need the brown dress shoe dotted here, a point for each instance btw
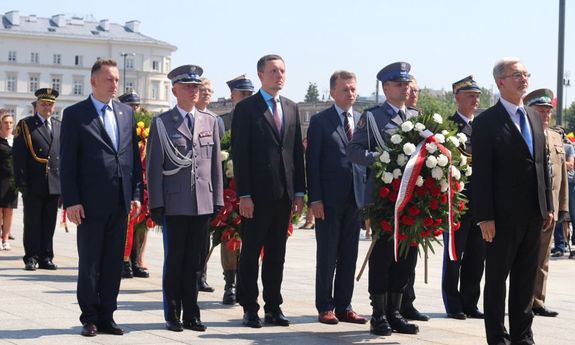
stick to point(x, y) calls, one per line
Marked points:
point(89, 330)
point(327, 317)
point(351, 317)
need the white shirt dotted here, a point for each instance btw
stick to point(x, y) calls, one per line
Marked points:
point(512, 111)
point(341, 118)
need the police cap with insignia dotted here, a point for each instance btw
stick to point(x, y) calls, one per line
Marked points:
point(186, 74)
point(397, 71)
point(542, 97)
point(466, 84)
point(130, 98)
point(47, 95)
point(241, 83)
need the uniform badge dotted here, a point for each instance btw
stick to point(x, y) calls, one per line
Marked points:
point(205, 134)
point(361, 122)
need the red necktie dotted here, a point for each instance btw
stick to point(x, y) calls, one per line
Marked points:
point(346, 125)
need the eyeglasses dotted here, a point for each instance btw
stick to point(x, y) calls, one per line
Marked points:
point(415, 91)
point(518, 75)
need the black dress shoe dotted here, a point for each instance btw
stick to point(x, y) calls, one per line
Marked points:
point(276, 317)
point(30, 265)
point(457, 316)
point(174, 326)
point(251, 319)
point(89, 330)
point(203, 284)
point(414, 314)
point(476, 314)
point(127, 272)
point(195, 324)
point(47, 265)
point(110, 328)
point(543, 311)
point(140, 272)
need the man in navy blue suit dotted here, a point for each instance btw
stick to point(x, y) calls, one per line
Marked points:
point(332, 180)
point(101, 179)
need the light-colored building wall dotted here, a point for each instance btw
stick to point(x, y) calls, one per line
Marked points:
point(41, 52)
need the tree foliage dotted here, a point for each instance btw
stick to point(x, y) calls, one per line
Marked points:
point(312, 94)
point(569, 118)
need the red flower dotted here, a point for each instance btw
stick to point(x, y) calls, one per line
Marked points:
point(456, 226)
point(461, 205)
point(237, 220)
point(435, 191)
point(407, 220)
point(395, 183)
point(401, 237)
point(429, 182)
point(150, 223)
point(393, 196)
point(438, 222)
point(438, 232)
point(443, 198)
point(234, 244)
point(383, 192)
point(456, 185)
point(434, 204)
point(428, 221)
point(426, 233)
point(420, 191)
point(227, 234)
point(414, 210)
point(385, 226)
point(413, 244)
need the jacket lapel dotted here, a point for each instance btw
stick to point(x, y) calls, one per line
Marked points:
point(44, 133)
point(265, 110)
point(336, 120)
point(513, 130)
point(181, 125)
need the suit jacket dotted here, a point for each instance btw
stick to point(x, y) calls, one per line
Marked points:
point(33, 176)
point(90, 164)
point(175, 193)
point(465, 128)
point(362, 148)
point(331, 177)
point(559, 183)
point(267, 165)
point(508, 183)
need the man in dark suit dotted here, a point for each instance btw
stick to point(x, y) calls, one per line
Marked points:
point(387, 277)
point(332, 182)
point(101, 177)
point(270, 181)
point(511, 202)
point(461, 279)
point(36, 157)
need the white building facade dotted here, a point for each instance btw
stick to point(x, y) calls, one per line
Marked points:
point(59, 52)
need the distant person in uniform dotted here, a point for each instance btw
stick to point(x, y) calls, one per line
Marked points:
point(36, 157)
point(184, 173)
point(241, 87)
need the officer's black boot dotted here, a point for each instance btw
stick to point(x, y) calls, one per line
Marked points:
point(230, 288)
point(203, 284)
point(397, 322)
point(127, 270)
point(378, 324)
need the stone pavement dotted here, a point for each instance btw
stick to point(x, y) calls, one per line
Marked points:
point(40, 307)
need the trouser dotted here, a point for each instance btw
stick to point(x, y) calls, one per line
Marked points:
point(542, 268)
point(40, 214)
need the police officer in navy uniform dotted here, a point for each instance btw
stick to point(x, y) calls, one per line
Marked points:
point(460, 283)
point(36, 155)
point(184, 172)
point(132, 99)
point(387, 278)
point(240, 88)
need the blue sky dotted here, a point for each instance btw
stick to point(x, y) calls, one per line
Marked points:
point(444, 40)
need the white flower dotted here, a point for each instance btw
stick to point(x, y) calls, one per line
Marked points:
point(407, 126)
point(408, 149)
point(229, 169)
point(437, 173)
point(419, 127)
point(455, 173)
point(468, 172)
point(431, 162)
point(461, 186)
point(230, 165)
point(225, 155)
point(431, 147)
point(440, 138)
point(443, 185)
point(463, 161)
point(444, 132)
point(437, 118)
point(454, 141)
point(384, 157)
point(401, 159)
point(442, 160)
point(396, 139)
point(387, 177)
point(419, 181)
point(462, 137)
point(396, 173)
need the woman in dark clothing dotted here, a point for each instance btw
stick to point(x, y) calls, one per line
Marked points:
point(8, 193)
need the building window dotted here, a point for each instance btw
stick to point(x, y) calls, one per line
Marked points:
point(34, 58)
point(11, 82)
point(12, 110)
point(155, 90)
point(57, 113)
point(166, 91)
point(167, 64)
point(57, 59)
point(130, 85)
point(33, 83)
point(12, 56)
point(78, 60)
point(56, 83)
point(129, 63)
point(78, 86)
point(156, 65)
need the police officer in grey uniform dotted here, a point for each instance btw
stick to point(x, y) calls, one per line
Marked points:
point(387, 278)
point(184, 173)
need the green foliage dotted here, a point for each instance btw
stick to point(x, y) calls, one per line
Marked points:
point(443, 104)
point(144, 116)
point(569, 118)
point(226, 141)
point(312, 94)
point(485, 100)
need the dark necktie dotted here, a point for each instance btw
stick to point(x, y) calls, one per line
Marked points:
point(190, 122)
point(525, 130)
point(48, 125)
point(346, 125)
point(401, 114)
point(110, 124)
point(277, 115)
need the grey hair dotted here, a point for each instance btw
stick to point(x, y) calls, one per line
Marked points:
point(500, 65)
